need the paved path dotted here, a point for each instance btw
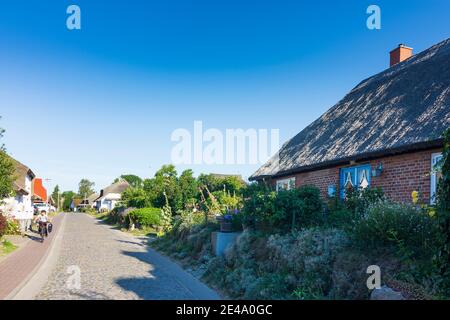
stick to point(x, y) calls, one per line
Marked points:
point(115, 265)
point(17, 267)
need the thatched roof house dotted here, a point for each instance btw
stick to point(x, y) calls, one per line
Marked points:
point(401, 110)
point(21, 173)
point(110, 195)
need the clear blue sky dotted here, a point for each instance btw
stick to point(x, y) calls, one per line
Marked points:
point(104, 100)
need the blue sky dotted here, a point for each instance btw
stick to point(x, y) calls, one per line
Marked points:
point(102, 101)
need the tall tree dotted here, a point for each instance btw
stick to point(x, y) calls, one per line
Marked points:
point(167, 182)
point(188, 187)
point(85, 188)
point(6, 171)
point(56, 195)
point(67, 197)
point(133, 180)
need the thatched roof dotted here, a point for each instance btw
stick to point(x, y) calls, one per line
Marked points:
point(117, 187)
point(403, 108)
point(20, 174)
point(90, 200)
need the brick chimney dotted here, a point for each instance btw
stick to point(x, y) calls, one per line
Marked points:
point(401, 53)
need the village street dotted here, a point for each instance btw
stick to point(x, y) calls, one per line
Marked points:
point(112, 265)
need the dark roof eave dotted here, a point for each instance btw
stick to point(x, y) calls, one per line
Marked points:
point(359, 157)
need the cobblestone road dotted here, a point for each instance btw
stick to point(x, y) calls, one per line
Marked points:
point(114, 265)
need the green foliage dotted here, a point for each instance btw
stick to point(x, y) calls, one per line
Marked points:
point(290, 209)
point(213, 182)
point(133, 180)
point(7, 247)
point(443, 215)
point(292, 266)
point(166, 216)
point(67, 197)
point(85, 188)
point(188, 188)
point(343, 214)
point(299, 207)
point(410, 230)
point(8, 226)
point(259, 205)
point(6, 175)
point(357, 201)
point(147, 217)
point(56, 194)
point(164, 181)
point(6, 171)
point(135, 198)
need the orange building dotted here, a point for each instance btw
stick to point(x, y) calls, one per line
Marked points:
point(38, 191)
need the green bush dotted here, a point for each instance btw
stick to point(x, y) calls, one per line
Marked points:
point(135, 198)
point(308, 255)
point(259, 206)
point(344, 213)
point(291, 266)
point(146, 217)
point(357, 201)
point(292, 209)
point(405, 227)
point(298, 208)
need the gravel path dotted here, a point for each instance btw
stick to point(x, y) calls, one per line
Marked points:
point(115, 265)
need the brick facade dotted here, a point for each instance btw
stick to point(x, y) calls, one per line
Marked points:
point(402, 174)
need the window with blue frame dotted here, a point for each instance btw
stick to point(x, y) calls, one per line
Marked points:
point(357, 177)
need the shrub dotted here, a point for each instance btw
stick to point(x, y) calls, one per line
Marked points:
point(291, 209)
point(135, 197)
point(146, 217)
point(443, 216)
point(293, 266)
point(298, 208)
point(407, 228)
point(349, 275)
point(308, 255)
point(3, 225)
point(259, 206)
point(357, 201)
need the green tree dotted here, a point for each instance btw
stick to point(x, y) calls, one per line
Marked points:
point(166, 181)
point(56, 195)
point(135, 198)
point(133, 180)
point(6, 171)
point(67, 197)
point(233, 184)
point(85, 188)
point(188, 188)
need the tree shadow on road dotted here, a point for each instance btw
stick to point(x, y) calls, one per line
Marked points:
point(165, 280)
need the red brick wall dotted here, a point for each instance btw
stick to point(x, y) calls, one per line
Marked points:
point(402, 174)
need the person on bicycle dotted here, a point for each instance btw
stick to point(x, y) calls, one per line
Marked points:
point(42, 219)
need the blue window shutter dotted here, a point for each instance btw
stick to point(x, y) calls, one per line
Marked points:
point(356, 173)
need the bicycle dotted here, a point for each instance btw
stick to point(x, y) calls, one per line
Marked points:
point(43, 230)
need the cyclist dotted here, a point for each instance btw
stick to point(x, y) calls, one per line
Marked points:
point(43, 220)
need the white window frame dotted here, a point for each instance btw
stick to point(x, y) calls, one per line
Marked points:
point(290, 182)
point(433, 177)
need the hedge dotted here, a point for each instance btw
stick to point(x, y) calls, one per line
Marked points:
point(146, 216)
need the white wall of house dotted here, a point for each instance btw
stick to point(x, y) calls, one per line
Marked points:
point(108, 202)
point(19, 206)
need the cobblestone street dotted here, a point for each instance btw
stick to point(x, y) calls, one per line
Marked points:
point(115, 265)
